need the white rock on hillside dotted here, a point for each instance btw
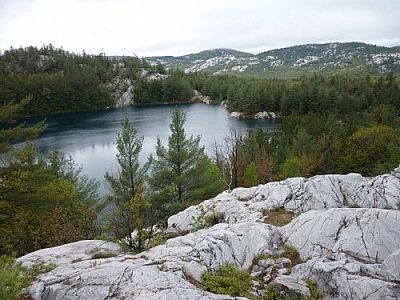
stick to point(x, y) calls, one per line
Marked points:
point(236, 114)
point(355, 252)
point(361, 234)
point(379, 192)
point(265, 115)
point(122, 90)
point(65, 254)
point(345, 279)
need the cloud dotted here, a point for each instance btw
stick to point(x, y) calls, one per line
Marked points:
point(178, 27)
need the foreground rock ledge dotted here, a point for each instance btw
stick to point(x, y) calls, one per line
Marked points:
point(351, 253)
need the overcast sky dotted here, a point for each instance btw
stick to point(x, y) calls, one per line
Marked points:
point(178, 27)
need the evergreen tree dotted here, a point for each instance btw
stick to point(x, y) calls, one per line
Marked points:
point(127, 206)
point(250, 175)
point(182, 173)
point(44, 202)
point(371, 149)
point(7, 114)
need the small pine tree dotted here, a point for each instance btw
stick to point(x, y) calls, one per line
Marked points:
point(126, 214)
point(182, 173)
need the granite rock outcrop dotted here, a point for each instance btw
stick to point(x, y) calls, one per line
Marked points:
point(345, 229)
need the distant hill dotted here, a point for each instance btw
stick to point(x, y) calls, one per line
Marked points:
point(351, 58)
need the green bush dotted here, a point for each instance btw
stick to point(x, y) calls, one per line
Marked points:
point(13, 278)
point(99, 255)
point(205, 221)
point(312, 285)
point(292, 253)
point(228, 280)
point(40, 268)
point(199, 221)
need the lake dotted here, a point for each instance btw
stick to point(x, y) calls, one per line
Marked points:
point(88, 137)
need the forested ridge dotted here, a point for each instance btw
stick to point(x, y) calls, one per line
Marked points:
point(60, 81)
point(352, 58)
point(330, 124)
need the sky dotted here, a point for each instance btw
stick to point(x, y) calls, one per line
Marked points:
point(178, 27)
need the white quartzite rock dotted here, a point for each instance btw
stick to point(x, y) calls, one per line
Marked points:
point(355, 252)
point(368, 235)
point(379, 192)
point(65, 254)
point(345, 280)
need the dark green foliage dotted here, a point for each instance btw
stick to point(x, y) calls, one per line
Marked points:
point(44, 202)
point(14, 277)
point(370, 149)
point(128, 201)
point(338, 94)
point(228, 280)
point(60, 81)
point(174, 88)
point(9, 132)
point(182, 173)
point(364, 142)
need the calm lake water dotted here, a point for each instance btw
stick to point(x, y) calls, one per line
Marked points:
point(88, 137)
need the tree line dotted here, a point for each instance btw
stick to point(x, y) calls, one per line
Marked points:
point(367, 143)
point(316, 94)
point(60, 81)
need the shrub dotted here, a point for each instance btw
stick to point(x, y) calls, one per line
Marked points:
point(203, 221)
point(312, 285)
point(228, 280)
point(99, 255)
point(292, 253)
point(278, 216)
point(40, 268)
point(213, 219)
point(13, 278)
point(199, 221)
point(258, 257)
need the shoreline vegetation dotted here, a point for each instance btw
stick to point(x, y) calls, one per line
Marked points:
point(60, 81)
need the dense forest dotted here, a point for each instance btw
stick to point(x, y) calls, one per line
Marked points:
point(60, 81)
point(329, 124)
point(334, 124)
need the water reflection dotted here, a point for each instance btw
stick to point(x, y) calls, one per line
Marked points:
point(89, 136)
